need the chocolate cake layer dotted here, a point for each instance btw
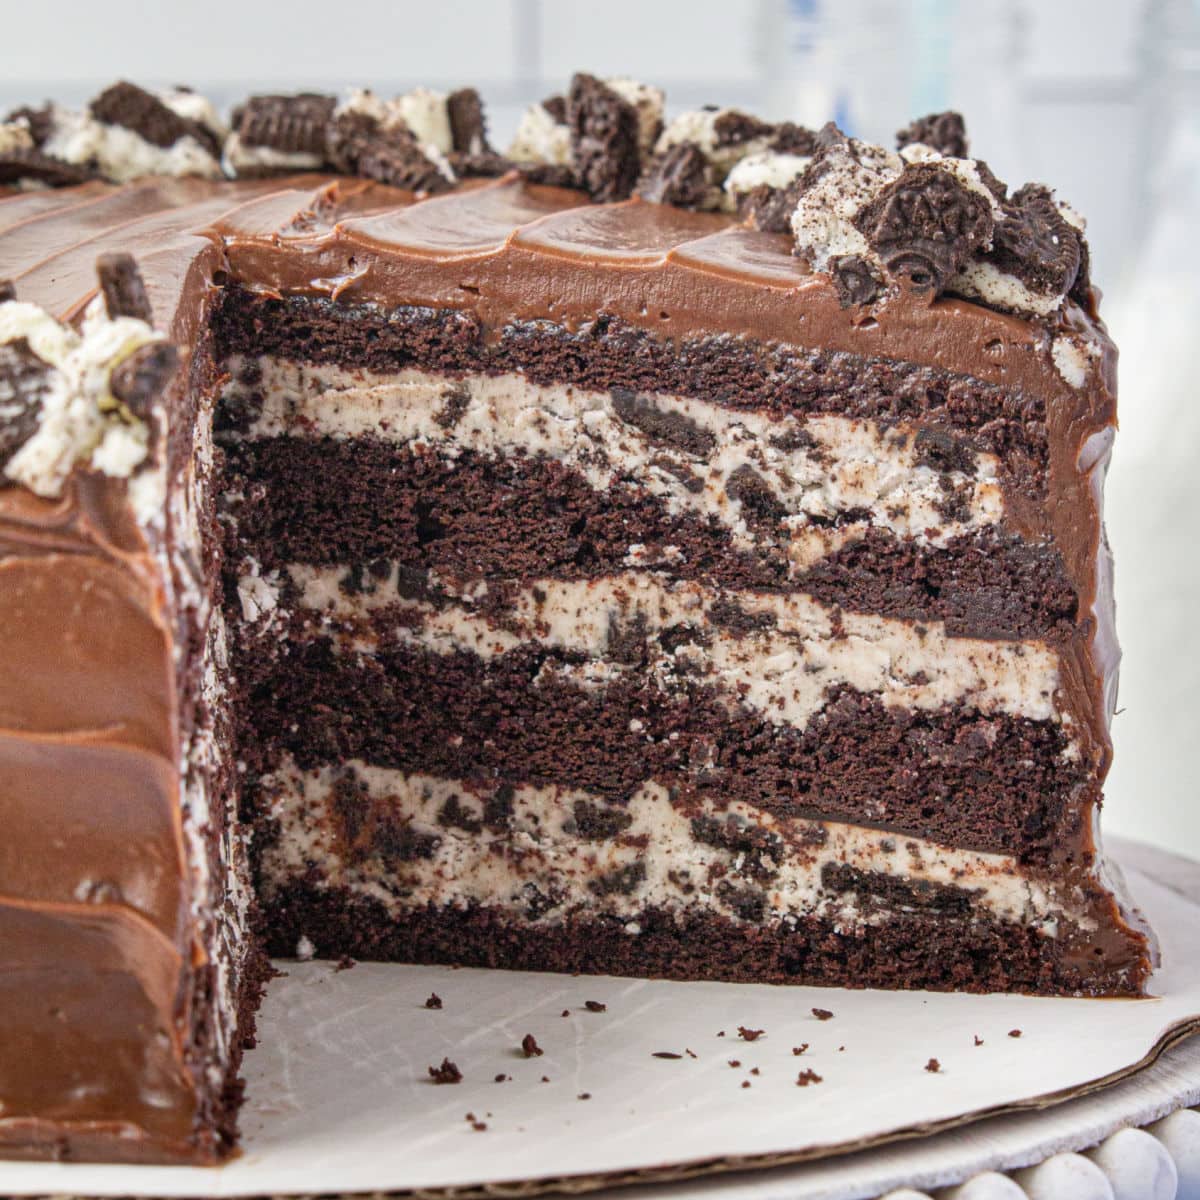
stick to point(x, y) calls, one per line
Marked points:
point(363, 500)
point(991, 782)
point(945, 953)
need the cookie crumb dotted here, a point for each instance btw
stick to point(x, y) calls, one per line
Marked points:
point(434, 1001)
point(448, 1072)
point(585, 1095)
point(545, 1078)
point(978, 1040)
point(1014, 1033)
point(749, 1035)
point(665, 1054)
point(690, 1053)
point(595, 1006)
point(808, 1076)
point(933, 1066)
point(479, 1126)
point(755, 1071)
point(745, 1083)
point(502, 1078)
point(735, 1062)
point(566, 1012)
point(822, 1014)
point(530, 1048)
point(800, 1049)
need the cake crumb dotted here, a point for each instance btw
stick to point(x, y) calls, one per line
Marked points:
point(345, 963)
point(933, 1066)
point(735, 1062)
point(502, 1078)
point(595, 1006)
point(448, 1072)
point(755, 1071)
point(808, 1076)
point(978, 1040)
point(1014, 1033)
point(479, 1126)
point(566, 1012)
point(720, 1033)
point(749, 1035)
point(545, 1078)
point(690, 1053)
point(530, 1048)
point(822, 1014)
point(585, 1095)
point(745, 1083)
point(800, 1049)
point(434, 1001)
point(665, 1054)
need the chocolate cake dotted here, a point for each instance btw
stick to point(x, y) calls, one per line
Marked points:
point(665, 550)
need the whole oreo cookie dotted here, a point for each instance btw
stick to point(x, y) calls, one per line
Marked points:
point(924, 226)
point(945, 132)
point(604, 139)
point(24, 382)
point(289, 124)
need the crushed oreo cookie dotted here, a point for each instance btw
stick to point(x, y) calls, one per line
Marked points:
point(604, 139)
point(530, 1048)
point(924, 225)
point(122, 287)
point(133, 108)
point(24, 382)
point(8, 291)
point(682, 176)
point(141, 378)
point(767, 208)
point(945, 132)
point(468, 129)
point(1037, 244)
point(32, 166)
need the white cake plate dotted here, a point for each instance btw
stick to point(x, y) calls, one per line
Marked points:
point(339, 1099)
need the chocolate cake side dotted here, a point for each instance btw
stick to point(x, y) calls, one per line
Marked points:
point(704, 584)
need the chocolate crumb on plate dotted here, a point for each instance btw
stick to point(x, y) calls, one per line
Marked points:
point(479, 1126)
point(755, 1071)
point(665, 1054)
point(750, 1035)
point(545, 1078)
point(822, 1014)
point(735, 1062)
point(807, 1077)
point(690, 1053)
point(745, 1083)
point(502, 1078)
point(800, 1049)
point(448, 1072)
point(978, 1040)
point(1014, 1033)
point(595, 1006)
point(434, 1001)
point(933, 1066)
point(584, 1096)
point(530, 1048)
point(566, 1012)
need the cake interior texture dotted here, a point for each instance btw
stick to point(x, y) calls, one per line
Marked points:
point(523, 575)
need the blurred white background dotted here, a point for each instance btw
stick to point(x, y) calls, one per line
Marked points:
point(1099, 98)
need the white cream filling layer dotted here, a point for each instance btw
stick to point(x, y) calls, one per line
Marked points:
point(813, 469)
point(784, 670)
point(657, 857)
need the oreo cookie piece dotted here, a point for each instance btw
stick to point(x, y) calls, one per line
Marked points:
point(468, 129)
point(140, 379)
point(24, 382)
point(556, 106)
point(1037, 244)
point(39, 122)
point(681, 176)
point(769, 209)
point(790, 138)
point(8, 291)
point(548, 174)
point(945, 132)
point(924, 225)
point(122, 287)
point(393, 157)
point(736, 128)
point(33, 166)
point(604, 139)
point(290, 124)
point(136, 109)
point(855, 280)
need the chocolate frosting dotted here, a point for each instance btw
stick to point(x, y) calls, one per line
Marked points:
point(97, 945)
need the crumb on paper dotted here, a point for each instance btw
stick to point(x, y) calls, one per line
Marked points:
point(595, 1006)
point(434, 1001)
point(448, 1072)
point(933, 1066)
point(479, 1126)
point(735, 1062)
point(755, 1071)
point(807, 1077)
point(566, 1012)
point(749, 1035)
point(530, 1048)
point(800, 1049)
point(978, 1040)
point(1014, 1033)
point(665, 1054)
point(585, 1095)
point(745, 1083)
point(545, 1078)
point(502, 1078)
point(822, 1014)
